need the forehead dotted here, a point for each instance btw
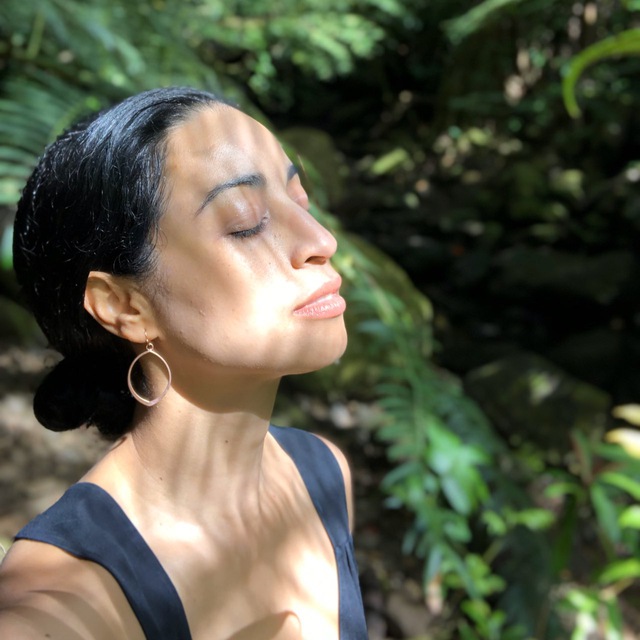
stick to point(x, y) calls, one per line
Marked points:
point(224, 140)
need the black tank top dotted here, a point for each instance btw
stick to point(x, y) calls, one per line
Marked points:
point(89, 524)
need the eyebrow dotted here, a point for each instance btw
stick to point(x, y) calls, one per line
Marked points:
point(248, 180)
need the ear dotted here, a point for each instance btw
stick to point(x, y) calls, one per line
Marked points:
point(118, 305)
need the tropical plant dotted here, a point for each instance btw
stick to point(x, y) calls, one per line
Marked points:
point(603, 486)
point(447, 460)
point(64, 57)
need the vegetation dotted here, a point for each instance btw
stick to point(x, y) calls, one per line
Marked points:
point(488, 147)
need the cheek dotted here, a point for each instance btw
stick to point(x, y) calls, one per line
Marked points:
point(228, 306)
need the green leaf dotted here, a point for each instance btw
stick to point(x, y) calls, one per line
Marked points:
point(562, 489)
point(605, 512)
point(495, 523)
point(621, 481)
point(433, 565)
point(458, 529)
point(583, 449)
point(476, 609)
point(583, 600)
point(628, 569)
point(6, 249)
point(623, 44)
point(534, 519)
point(401, 451)
point(389, 161)
point(445, 447)
point(630, 517)
point(614, 619)
point(617, 453)
point(467, 632)
point(401, 472)
point(457, 29)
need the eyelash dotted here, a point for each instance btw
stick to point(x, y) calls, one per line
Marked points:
point(247, 233)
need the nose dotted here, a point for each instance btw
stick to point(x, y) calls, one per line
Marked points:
point(312, 243)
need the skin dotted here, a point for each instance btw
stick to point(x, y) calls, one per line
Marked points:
point(238, 254)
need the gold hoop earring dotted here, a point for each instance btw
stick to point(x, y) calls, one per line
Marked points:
point(149, 350)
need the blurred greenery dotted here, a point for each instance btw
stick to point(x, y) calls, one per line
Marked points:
point(481, 162)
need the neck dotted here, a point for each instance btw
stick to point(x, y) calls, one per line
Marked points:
point(191, 461)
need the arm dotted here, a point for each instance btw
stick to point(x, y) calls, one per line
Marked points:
point(33, 618)
point(47, 593)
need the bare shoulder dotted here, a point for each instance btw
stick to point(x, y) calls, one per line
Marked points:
point(346, 474)
point(48, 593)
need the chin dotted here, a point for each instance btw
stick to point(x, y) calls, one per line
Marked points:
point(324, 355)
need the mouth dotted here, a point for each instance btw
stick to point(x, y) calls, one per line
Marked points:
point(324, 302)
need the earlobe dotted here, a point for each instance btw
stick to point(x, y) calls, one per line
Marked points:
point(117, 305)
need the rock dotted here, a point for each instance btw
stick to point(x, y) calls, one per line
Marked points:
point(461, 354)
point(606, 357)
point(598, 278)
point(529, 397)
point(409, 613)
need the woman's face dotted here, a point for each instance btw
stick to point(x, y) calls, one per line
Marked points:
point(245, 282)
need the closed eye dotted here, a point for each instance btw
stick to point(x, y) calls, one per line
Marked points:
point(247, 233)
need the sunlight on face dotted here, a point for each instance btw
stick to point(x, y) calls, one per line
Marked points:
point(247, 284)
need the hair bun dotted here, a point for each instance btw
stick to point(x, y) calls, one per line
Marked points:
point(67, 397)
point(78, 391)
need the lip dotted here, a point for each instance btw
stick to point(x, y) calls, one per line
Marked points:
point(324, 302)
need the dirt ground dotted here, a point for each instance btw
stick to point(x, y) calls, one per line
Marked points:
point(37, 465)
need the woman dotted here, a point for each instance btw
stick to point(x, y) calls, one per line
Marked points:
point(167, 251)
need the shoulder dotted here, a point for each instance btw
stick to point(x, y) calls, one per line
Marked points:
point(48, 593)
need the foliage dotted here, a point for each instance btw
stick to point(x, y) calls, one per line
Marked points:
point(445, 455)
point(476, 18)
point(33, 112)
point(622, 44)
point(264, 43)
point(84, 55)
point(605, 483)
point(63, 59)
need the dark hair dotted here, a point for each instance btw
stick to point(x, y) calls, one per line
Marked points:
point(93, 202)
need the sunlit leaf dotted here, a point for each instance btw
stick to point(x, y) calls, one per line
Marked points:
point(621, 481)
point(534, 519)
point(628, 412)
point(628, 569)
point(628, 439)
point(630, 517)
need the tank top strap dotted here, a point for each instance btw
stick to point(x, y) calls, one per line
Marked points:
point(89, 524)
point(322, 476)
